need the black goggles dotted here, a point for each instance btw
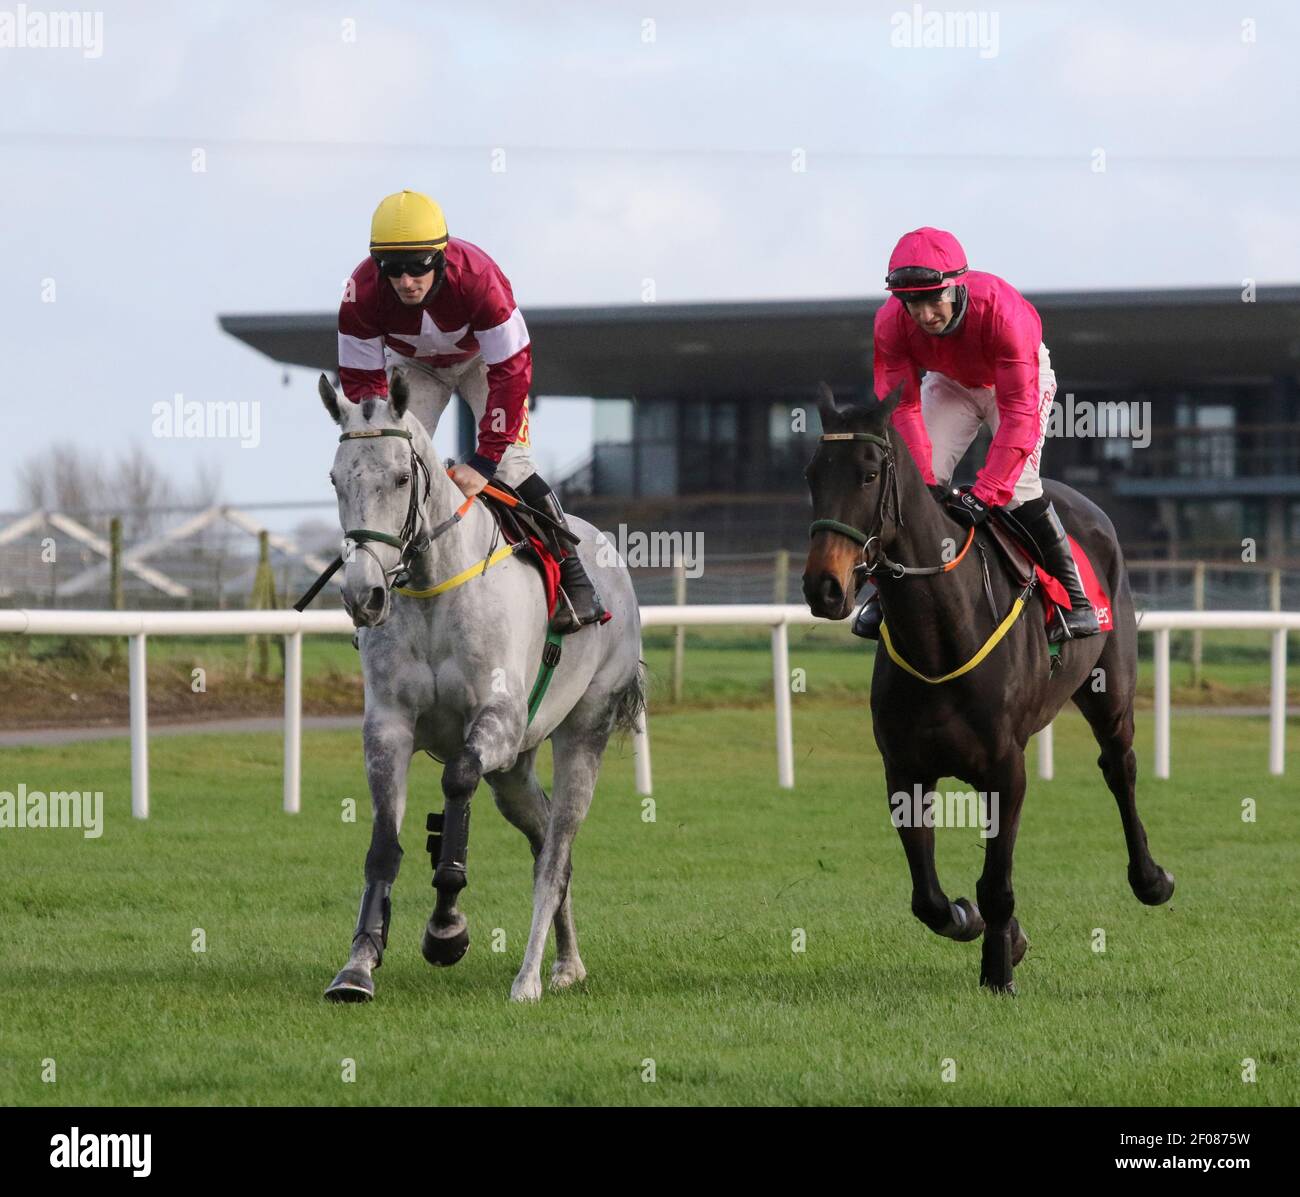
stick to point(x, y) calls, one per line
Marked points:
point(416, 265)
point(935, 295)
point(921, 278)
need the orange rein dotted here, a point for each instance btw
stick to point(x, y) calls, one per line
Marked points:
point(489, 489)
point(970, 536)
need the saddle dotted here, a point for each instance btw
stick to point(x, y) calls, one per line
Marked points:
point(540, 541)
point(1023, 561)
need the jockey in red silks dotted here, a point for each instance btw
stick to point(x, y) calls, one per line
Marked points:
point(980, 344)
point(441, 311)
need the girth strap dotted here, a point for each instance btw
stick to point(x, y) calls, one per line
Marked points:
point(550, 659)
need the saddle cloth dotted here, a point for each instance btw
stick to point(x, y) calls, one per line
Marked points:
point(1023, 566)
point(540, 546)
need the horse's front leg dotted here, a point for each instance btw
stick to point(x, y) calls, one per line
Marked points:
point(1004, 942)
point(959, 920)
point(492, 744)
point(389, 742)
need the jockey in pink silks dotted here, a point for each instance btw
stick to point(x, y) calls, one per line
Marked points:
point(980, 345)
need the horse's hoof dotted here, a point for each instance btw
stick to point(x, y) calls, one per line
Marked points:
point(565, 975)
point(1019, 948)
point(1007, 990)
point(527, 990)
point(974, 922)
point(351, 985)
point(1157, 893)
point(444, 951)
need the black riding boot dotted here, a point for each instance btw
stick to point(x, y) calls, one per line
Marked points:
point(1049, 534)
point(867, 621)
point(579, 601)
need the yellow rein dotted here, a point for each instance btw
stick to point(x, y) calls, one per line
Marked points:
point(479, 567)
point(989, 645)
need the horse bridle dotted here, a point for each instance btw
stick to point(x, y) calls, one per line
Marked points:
point(887, 504)
point(410, 542)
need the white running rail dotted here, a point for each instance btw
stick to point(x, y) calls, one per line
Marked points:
point(137, 625)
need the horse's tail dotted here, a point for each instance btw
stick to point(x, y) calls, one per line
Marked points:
point(629, 702)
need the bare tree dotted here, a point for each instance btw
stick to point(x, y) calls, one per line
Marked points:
point(138, 488)
point(66, 479)
point(86, 487)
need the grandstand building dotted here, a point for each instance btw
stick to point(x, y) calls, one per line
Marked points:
point(1178, 410)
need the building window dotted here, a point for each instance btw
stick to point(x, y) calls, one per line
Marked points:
point(611, 422)
point(655, 424)
point(656, 420)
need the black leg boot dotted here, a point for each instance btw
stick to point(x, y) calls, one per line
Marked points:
point(1045, 526)
point(355, 984)
point(867, 621)
point(579, 600)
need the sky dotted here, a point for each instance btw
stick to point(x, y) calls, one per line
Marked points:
point(726, 151)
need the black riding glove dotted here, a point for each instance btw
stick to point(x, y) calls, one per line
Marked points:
point(966, 509)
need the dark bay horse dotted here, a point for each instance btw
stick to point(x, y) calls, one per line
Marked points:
point(874, 513)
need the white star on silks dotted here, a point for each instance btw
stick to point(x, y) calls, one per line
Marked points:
point(431, 340)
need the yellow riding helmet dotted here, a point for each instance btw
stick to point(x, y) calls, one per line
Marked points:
point(407, 222)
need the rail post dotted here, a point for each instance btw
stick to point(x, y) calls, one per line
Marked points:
point(1162, 702)
point(641, 753)
point(1198, 637)
point(1277, 704)
point(679, 638)
point(139, 727)
point(781, 693)
point(1046, 759)
point(293, 723)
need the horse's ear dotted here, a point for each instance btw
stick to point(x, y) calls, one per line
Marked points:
point(398, 394)
point(891, 401)
point(826, 406)
point(329, 397)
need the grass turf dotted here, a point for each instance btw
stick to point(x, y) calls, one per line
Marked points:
point(686, 925)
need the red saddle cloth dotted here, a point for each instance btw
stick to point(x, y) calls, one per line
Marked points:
point(1054, 594)
point(550, 570)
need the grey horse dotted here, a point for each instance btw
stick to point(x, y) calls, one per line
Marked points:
point(452, 675)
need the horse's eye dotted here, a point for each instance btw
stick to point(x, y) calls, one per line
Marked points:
point(403, 479)
point(868, 479)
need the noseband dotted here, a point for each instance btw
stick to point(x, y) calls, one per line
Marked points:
point(873, 559)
